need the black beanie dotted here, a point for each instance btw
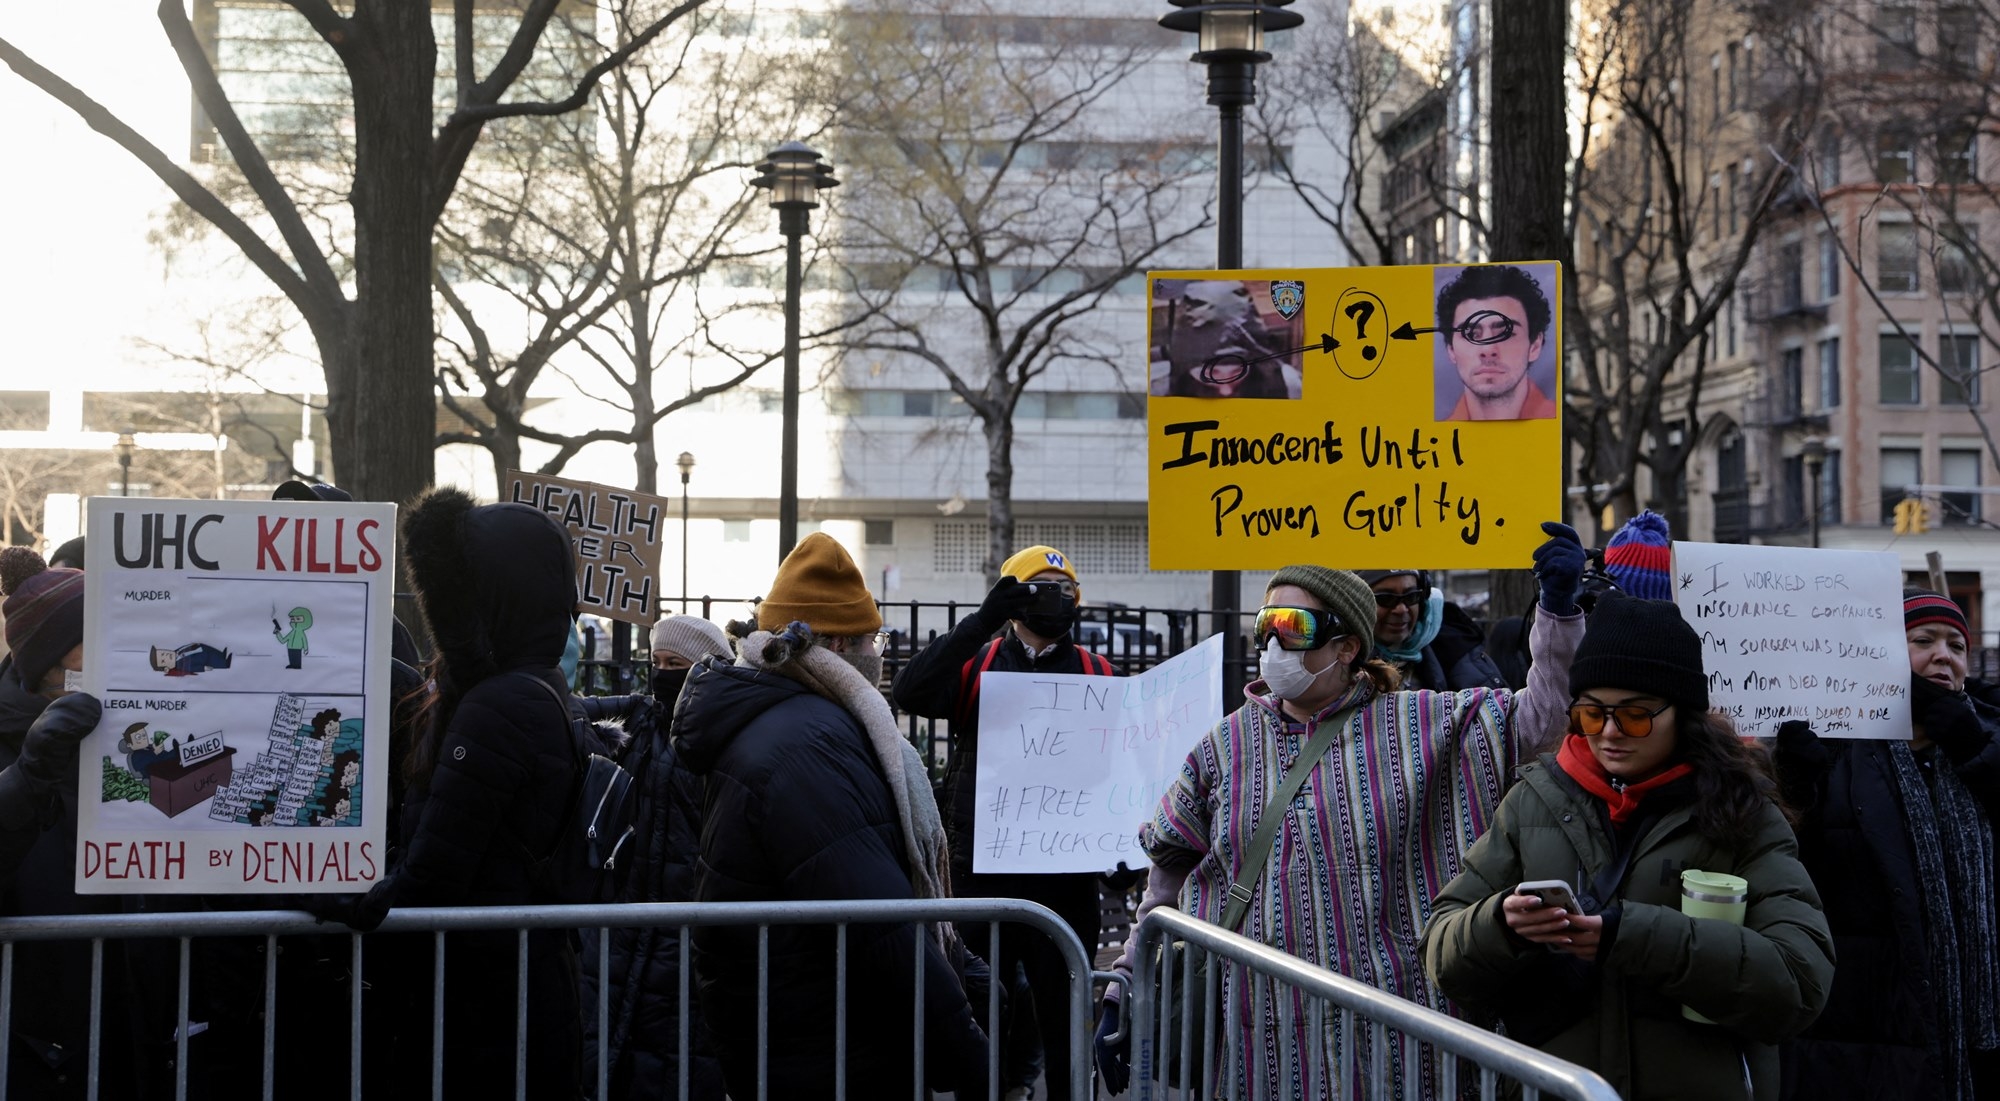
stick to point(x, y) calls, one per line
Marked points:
point(1641, 646)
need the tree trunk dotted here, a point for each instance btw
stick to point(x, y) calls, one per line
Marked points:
point(1530, 156)
point(999, 494)
point(505, 447)
point(645, 453)
point(394, 408)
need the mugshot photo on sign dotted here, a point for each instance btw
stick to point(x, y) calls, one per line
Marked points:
point(1496, 359)
point(1217, 338)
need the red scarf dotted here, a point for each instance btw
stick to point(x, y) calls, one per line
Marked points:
point(1576, 759)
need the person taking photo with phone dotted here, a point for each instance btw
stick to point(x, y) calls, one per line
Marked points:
point(1649, 784)
point(1392, 787)
point(1023, 626)
point(1899, 837)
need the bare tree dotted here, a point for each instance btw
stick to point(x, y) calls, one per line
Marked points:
point(992, 218)
point(603, 237)
point(1673, 184)
point(374, 331)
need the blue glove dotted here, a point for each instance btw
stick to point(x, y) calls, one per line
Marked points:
point(1559, 568)
point(1114, 1060)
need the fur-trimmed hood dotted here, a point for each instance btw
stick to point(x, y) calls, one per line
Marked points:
point(497, 584)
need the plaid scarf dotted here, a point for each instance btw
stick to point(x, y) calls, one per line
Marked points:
point(1954, 847)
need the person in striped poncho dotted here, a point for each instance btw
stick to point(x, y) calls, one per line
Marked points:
point(1380, 826)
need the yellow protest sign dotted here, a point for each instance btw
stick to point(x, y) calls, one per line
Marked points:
point(1365, 418)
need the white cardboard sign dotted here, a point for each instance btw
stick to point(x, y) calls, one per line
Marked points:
point(1796, 633)
point(1070, 766)
point(241, 652)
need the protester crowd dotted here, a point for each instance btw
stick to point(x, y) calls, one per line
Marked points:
point(1395, 798)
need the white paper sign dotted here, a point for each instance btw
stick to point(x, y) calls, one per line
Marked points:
point(241, 652)
point(1795, 633)
point(1070, 766)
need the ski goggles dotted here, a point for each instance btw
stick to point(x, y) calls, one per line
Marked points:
point(1633, 720)
point(1297, 628)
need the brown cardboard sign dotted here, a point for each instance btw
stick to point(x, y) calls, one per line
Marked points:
point(618, 538)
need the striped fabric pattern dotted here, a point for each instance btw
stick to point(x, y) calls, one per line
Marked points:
point(1373, 836)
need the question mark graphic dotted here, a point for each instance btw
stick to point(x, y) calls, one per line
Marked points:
point(1366, 310)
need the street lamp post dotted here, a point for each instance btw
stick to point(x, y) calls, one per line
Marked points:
point(686, 463)
point(124, 448)
point(1229, 39)
point(794, 175)
point(1814, 453)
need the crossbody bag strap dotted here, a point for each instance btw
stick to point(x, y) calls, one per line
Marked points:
point(1258, 852)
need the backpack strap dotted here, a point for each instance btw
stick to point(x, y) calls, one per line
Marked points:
point(968, 678)
point(1258, 852)
point(579, 758)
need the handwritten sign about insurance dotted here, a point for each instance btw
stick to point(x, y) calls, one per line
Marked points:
point(1793, 633)
point(1070, 766)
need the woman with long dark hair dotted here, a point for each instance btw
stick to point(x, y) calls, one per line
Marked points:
point(1899, 837)
point(1649, 788)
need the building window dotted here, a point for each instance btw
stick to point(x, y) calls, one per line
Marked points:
point(1791, 276)
point(1734, 100)
point(1901, 467)
point(736, 531)
point(1959, 467)
point(1958, 36)
point(878, 533)
point(1957, 155)
point(1896, 257)
point(1791, 383)
point(1895, 37)
point(1901, 385)
point(1830, 263)
point(1958, 360)
point(1829, 373)
point(1729, 311)
point(1895, 156)
point(1829, 489)
point(1792, 509)
point(1715, 83)
point(1829, 156)
point(1957, 271)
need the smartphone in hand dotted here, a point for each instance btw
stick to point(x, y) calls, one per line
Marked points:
point(1552, 892)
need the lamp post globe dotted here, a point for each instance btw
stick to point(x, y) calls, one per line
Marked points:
point(124, 448)
point(794, 174)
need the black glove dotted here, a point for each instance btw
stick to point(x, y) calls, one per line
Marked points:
point(1114, 1060)
point(1009, 599)
point(361, 913)
point(48, 753)
point(1559, 568)
point(1801, 761)
point(1947, 718)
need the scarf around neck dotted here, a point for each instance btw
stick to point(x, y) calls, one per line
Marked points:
point(1621, 800)
point(791, 653)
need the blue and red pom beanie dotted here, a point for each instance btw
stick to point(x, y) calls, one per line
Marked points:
point(1639, 557)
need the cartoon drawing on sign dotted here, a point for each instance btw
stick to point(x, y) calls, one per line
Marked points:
point(294, 640)
point(170, 774)
point(1495, 361)
point(190, 659)
point(308, 775)
point(1217, 338)
point(143, 748)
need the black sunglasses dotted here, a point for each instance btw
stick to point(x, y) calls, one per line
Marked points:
point(1415, 598)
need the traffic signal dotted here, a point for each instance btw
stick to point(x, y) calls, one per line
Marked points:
point(1913, 516)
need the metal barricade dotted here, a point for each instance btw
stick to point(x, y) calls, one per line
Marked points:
point(1156, 1042)
point(273, 924)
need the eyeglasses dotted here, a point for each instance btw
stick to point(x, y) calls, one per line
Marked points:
point(1488, 327)
point(1297, 628)
point(1633, 720)
point(1415, 598)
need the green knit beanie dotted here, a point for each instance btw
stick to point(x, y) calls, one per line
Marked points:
point(1342, 591)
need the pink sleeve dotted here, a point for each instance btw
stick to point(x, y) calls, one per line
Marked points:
point(1163, 888)
point(1541, 710)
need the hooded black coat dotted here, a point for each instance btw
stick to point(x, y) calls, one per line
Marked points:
point(795, 807)
point(493, 778)
point(644, 995)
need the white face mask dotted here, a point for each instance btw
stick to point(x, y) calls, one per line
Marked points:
point(1284, 672)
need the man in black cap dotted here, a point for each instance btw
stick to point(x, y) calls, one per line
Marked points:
point(1432, 642)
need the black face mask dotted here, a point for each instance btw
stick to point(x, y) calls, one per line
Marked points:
point(667, 684)
point(1052, 625)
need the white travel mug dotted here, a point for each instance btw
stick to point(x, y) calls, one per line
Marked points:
point(1717, 896)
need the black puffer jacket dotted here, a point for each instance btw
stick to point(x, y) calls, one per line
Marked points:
point(496, 584)
point(1455, 660)
point(796, 808)
point(1876, 1037)
point(643, 1053)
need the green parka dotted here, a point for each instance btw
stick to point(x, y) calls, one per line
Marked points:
point(1764, 982)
